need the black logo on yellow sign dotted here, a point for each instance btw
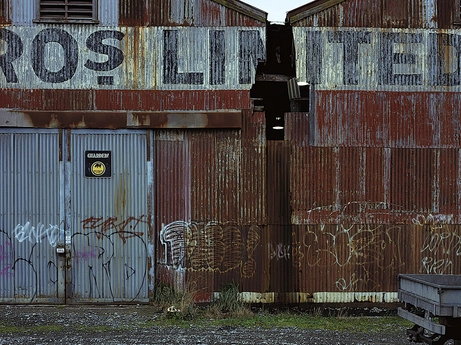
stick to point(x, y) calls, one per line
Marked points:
point(98, 163)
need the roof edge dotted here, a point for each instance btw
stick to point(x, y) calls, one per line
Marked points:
point(244, 8)
point(309, 9)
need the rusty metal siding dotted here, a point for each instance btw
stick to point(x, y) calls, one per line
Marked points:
point(314, 170)
point(205, 176)
point(446, 195)
point(140, 100)
point(361, 261)
point(30, 221)
point(215, 176)
point(4, 12)
point(378, 13)
point(172, 177)
point(372, 102)
point(411, 184)
point(189, 13)
point(389, 119)
point(363, 214)
point(397, 181)
point(281, 272)
point(171, 205)
point(446, 14)
point(156, 13)
point(137, 12)
point(253, 187)
point(206, 239)
point(373, 186)
point(278, 185)
point(344, 259)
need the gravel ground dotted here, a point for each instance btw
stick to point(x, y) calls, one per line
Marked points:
point(136, 325)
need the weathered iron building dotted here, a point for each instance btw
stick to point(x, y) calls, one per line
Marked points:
point(375, 163)
point(194, 144)
point(129, 153)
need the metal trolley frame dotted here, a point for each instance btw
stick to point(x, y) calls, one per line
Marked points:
point(433, 303)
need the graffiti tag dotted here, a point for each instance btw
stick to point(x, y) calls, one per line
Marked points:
point(35, 234)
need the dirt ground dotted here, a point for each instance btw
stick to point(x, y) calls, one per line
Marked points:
point(136, 325)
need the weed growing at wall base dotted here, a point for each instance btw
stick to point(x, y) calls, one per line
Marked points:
point(180, 305)
point(175, 304)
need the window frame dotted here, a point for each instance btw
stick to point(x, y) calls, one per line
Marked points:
point(65, 20)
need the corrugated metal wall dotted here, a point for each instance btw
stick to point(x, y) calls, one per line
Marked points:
point(109, 219)
point(140, 58)
point(31, 222)
point(153, 13)
point(385, 14)
point(378, 154)
point(4, 12)
point(214, 72)
point(210, 220)
point(190, 12)
point(205, 189)
point(365, 186)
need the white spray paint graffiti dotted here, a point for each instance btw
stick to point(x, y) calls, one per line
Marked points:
point(211, 246)
point(280, 251)
point(438, 250)
point(172, 237)
point(364, 245)
point(36, 234)
point(348, 285)
point(433, 220)
point(439, 246)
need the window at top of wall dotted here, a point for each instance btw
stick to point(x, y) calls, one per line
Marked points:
point(457, 13)
point(67, 11)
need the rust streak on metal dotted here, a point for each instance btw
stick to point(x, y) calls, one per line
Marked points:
point(187, 120)
point(107, 120)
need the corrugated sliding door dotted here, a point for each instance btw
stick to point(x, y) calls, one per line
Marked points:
point(108, 216)
point(30, 216)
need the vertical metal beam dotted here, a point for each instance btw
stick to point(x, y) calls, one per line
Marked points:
point(151, 238)
point(62, 186)
point(64, 260)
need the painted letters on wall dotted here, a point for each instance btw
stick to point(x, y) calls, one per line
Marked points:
point(379, 59)
point(124, 58)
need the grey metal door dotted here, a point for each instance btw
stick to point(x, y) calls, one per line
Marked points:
point(109, 217)
point(31, 217)
point(70, 232)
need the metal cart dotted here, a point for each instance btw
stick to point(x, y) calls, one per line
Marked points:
point(433, 303)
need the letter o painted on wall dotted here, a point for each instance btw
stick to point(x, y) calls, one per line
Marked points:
point(38, 55)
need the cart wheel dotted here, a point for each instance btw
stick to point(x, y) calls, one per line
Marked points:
point(445, 340)
point(452, 341)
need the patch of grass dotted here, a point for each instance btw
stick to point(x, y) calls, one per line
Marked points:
point(331, 323)
point(213, 317)
point(353, 324)
point(51, 328)
point(7, 329)
point(228, 310)
point(164, 296)
point(228, 303)
point(94, 328)
point(228, 299)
